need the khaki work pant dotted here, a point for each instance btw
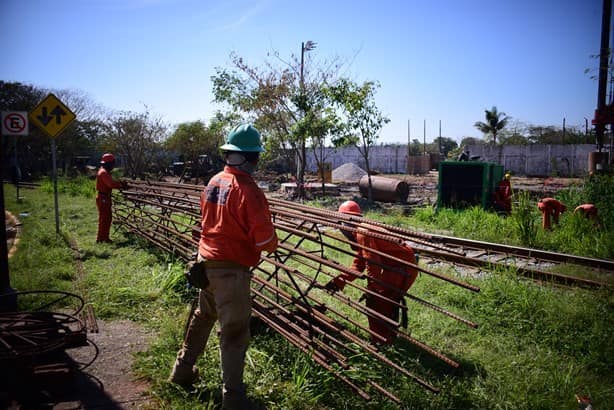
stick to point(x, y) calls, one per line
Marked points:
point(228, 300)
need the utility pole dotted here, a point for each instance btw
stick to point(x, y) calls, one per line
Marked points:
point(604, 54)
point(439, 137)
point(302, 162)
point(407, 164)
point(424, 138)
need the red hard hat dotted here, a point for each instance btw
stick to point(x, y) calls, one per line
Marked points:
point(350, 207)
point(106, 158)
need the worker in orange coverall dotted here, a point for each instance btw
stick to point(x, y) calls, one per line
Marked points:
point(589, 211)
point(503, 195)
point(385, 284)
point(236, 227)
point(551, 209)
point(104, 186)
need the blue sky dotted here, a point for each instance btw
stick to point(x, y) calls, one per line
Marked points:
point(436, 60)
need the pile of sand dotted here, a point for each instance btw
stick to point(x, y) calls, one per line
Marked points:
point(348, 173)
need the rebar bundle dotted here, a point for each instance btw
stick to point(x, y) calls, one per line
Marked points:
point(288, 286)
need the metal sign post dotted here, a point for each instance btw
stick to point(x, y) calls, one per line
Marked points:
point(12, 123)
point(15, 123)
point(55, 187)
point(52, 116)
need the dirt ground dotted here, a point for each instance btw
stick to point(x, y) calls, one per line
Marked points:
point(101, 375)
point(109, 382)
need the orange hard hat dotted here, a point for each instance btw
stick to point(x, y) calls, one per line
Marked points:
point(350, 207)
point(106, 158)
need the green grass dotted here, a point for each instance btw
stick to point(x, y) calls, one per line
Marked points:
point(535, 347)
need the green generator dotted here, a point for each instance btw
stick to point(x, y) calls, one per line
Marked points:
point(464, 184)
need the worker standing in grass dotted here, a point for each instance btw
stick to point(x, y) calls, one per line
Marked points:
point(503, 195)
point(104, 186)
point(388, 286)
point(551, 209)
point(236, 227)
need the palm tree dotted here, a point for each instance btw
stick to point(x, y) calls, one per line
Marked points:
point(495, 122)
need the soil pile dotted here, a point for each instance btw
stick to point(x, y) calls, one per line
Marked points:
point(348, 172)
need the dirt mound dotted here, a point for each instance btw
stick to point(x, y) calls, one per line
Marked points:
point(348, 172)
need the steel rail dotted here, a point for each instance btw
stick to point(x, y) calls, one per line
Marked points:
point(524, 271)
point(603, 264)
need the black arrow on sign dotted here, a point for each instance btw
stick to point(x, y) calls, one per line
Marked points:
point(58, 112)
point(44, 118)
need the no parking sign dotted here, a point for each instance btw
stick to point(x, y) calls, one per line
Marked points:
point(14, 123)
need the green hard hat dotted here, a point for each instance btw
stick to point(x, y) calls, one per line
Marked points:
point(243, 138)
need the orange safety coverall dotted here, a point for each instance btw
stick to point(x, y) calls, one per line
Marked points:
point(503, 196)
point(104, 185)
point(236, 221)
point(550, 208)
point(588, 210)
point(397, 284)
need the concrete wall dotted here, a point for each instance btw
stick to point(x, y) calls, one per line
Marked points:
point(386, 159)
point(537, 160)
point(530, 160)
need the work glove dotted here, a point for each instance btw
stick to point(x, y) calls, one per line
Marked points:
point(332, 286)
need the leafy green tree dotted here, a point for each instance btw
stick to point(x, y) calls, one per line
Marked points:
point(513, 139)
point(470, 141)
point(137, 139)
point(443, 145)
point(416, 147)
point(538, 134)
point(495, 122)
point(363, 119)
point(281, 106)
point(191, 139)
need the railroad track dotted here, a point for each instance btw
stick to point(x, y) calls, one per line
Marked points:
point(540, 265)
point(478, 256)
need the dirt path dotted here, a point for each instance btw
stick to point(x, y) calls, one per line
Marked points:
point(109, 381)
point(104, 379)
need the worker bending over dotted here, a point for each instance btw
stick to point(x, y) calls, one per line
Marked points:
point(589, 211)
point(550, 209)
point(388, 287)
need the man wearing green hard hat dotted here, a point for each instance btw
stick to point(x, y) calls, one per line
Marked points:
point(236, 227)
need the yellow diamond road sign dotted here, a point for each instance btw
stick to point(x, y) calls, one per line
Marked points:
point(52, 116)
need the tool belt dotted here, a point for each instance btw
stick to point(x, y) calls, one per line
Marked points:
point(197, 274)
point(197, 270)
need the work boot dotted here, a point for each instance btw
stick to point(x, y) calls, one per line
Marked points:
point(236, 400)
point(183, 374)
